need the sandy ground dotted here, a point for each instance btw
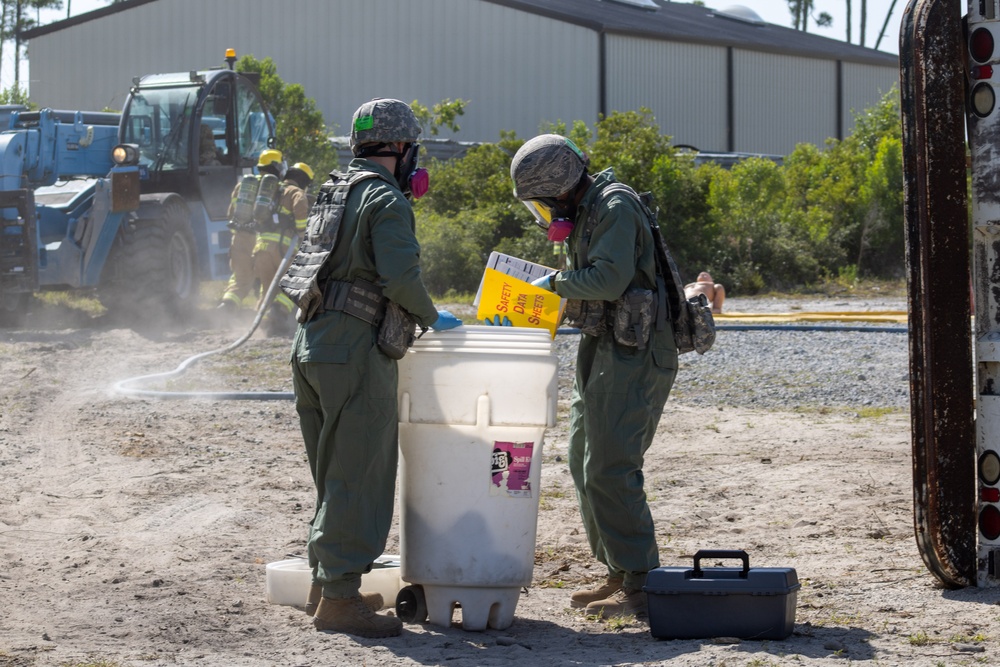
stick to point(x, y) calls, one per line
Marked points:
point(136, 531)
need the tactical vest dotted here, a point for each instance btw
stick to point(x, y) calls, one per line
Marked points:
point(693, 325)
point(301, 281)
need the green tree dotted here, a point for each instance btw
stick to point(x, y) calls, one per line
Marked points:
point(820, 193)
point(443, 114)
point(881, 234)
point(870, 162)
point(300, 133)
point(629, 142)
point(745, 206)
point(15, 95)
point(471, 211)
point(823, 212)
point(680, 191)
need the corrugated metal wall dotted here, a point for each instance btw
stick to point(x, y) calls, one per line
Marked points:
point(684, 85)
point(781, 101)
point(864, 85)
point(517, 70)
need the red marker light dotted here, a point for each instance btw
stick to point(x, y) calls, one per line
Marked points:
point(990, 495)
point(982, 71)
point(981, 45)
point(989, 522)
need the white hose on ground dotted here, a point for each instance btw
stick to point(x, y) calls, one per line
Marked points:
point(124, 386)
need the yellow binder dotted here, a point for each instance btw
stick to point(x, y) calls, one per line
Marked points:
point(523, 303)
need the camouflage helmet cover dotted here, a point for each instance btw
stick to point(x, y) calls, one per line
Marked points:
point(383, 121)
point(547, 166)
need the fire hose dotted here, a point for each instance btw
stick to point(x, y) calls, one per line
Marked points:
point(126, 388)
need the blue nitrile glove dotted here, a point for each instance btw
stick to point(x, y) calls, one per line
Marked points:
point(495, 322)
point(445, 321)
point(545, 282)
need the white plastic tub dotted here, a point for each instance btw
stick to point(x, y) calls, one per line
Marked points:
point(473, 406)
point(288, 581)
point(445, 372)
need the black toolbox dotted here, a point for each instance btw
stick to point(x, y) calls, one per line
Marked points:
point(743, 602)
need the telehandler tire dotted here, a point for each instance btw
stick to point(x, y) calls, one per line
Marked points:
point(152, 273)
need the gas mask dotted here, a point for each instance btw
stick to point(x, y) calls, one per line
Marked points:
point(414, 180)
point(555, 217)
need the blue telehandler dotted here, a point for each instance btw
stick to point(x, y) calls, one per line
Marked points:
point(133, 205)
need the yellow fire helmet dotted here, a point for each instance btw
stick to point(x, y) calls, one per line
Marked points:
point(303, 167)
point(269, 156)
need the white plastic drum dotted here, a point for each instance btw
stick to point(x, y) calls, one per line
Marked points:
point(469, 491)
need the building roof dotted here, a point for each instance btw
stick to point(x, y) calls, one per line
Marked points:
point(685, 22)
point(674, 21)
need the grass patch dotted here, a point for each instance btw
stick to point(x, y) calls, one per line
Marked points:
point(875, 413)
point(84, 301)
point(621, 622)
point(839, 286)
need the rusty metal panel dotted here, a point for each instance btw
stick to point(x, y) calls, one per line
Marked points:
point(124, 191)
point(935, 203)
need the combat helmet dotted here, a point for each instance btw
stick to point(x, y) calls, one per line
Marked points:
point(383, 120)
point(547, 166)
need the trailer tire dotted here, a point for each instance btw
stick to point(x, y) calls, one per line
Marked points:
point(13, 309)
point(152, 268)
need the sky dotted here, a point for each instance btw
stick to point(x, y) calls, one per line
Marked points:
point(772, 11)
point(776, 11)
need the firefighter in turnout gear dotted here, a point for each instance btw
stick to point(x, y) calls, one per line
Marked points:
point(243, 225)
point(273, 240)
point(359, 253)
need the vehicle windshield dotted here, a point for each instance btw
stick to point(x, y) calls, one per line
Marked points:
point(158, 121)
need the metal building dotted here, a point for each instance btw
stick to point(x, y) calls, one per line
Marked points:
point(716, 80)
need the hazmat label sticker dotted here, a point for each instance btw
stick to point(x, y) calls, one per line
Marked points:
point(511, 469)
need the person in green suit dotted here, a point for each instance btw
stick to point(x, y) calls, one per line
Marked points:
point(620, 388)
point(345, 386)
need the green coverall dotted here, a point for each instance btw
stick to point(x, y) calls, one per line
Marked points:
point(345, 388)
point(619, 391)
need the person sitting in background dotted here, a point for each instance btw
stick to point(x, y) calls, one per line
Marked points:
point(207, 154)
point(713, 291)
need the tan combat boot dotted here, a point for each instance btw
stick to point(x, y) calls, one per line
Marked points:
point(373, 601)
point(580, 599)
point(624, 602)
point(352, 616)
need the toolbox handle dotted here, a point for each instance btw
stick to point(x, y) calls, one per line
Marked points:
point(721, 553)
